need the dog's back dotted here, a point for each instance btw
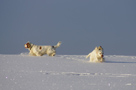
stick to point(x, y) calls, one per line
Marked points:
point(39, 50)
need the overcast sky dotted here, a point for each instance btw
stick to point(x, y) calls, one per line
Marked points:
point(81, 25)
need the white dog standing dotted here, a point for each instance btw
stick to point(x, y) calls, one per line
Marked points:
point(96, 55)
point(38, 50)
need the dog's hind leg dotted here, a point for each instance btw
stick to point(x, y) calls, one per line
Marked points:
point(31, 53)
point(102, 60)
point(51, 54)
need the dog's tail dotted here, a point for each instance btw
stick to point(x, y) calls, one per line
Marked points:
point(58, 44)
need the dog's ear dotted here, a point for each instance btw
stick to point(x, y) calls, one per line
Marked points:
point(27, 45)
point(100, 48)
point(96, 48)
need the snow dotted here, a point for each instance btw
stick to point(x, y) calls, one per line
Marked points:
point(66, 72)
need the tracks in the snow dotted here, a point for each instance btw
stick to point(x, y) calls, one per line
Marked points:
point(79, 74)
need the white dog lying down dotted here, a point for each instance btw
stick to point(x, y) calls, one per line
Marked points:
point(38, 50)
point(96, 55)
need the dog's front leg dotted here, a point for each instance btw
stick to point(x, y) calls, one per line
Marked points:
point(31, 53)
point(91, 59)
point(95, 59)
point(38, 54)
point(102, 60)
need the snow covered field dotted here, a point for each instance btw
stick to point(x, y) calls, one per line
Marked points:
point(66, 72)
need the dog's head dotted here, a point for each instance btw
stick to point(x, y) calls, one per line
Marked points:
point(99, 51)
point(100, 54)
point(28, 45)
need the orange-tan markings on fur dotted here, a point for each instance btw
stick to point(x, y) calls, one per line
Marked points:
point(28, 45)
point(40, 47)
point(97, 49)
point(100, 48)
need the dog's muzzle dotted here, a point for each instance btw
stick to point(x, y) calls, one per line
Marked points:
point(25, 46)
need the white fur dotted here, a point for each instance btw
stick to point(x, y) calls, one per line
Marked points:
point(96, 55)
point(38, 50)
